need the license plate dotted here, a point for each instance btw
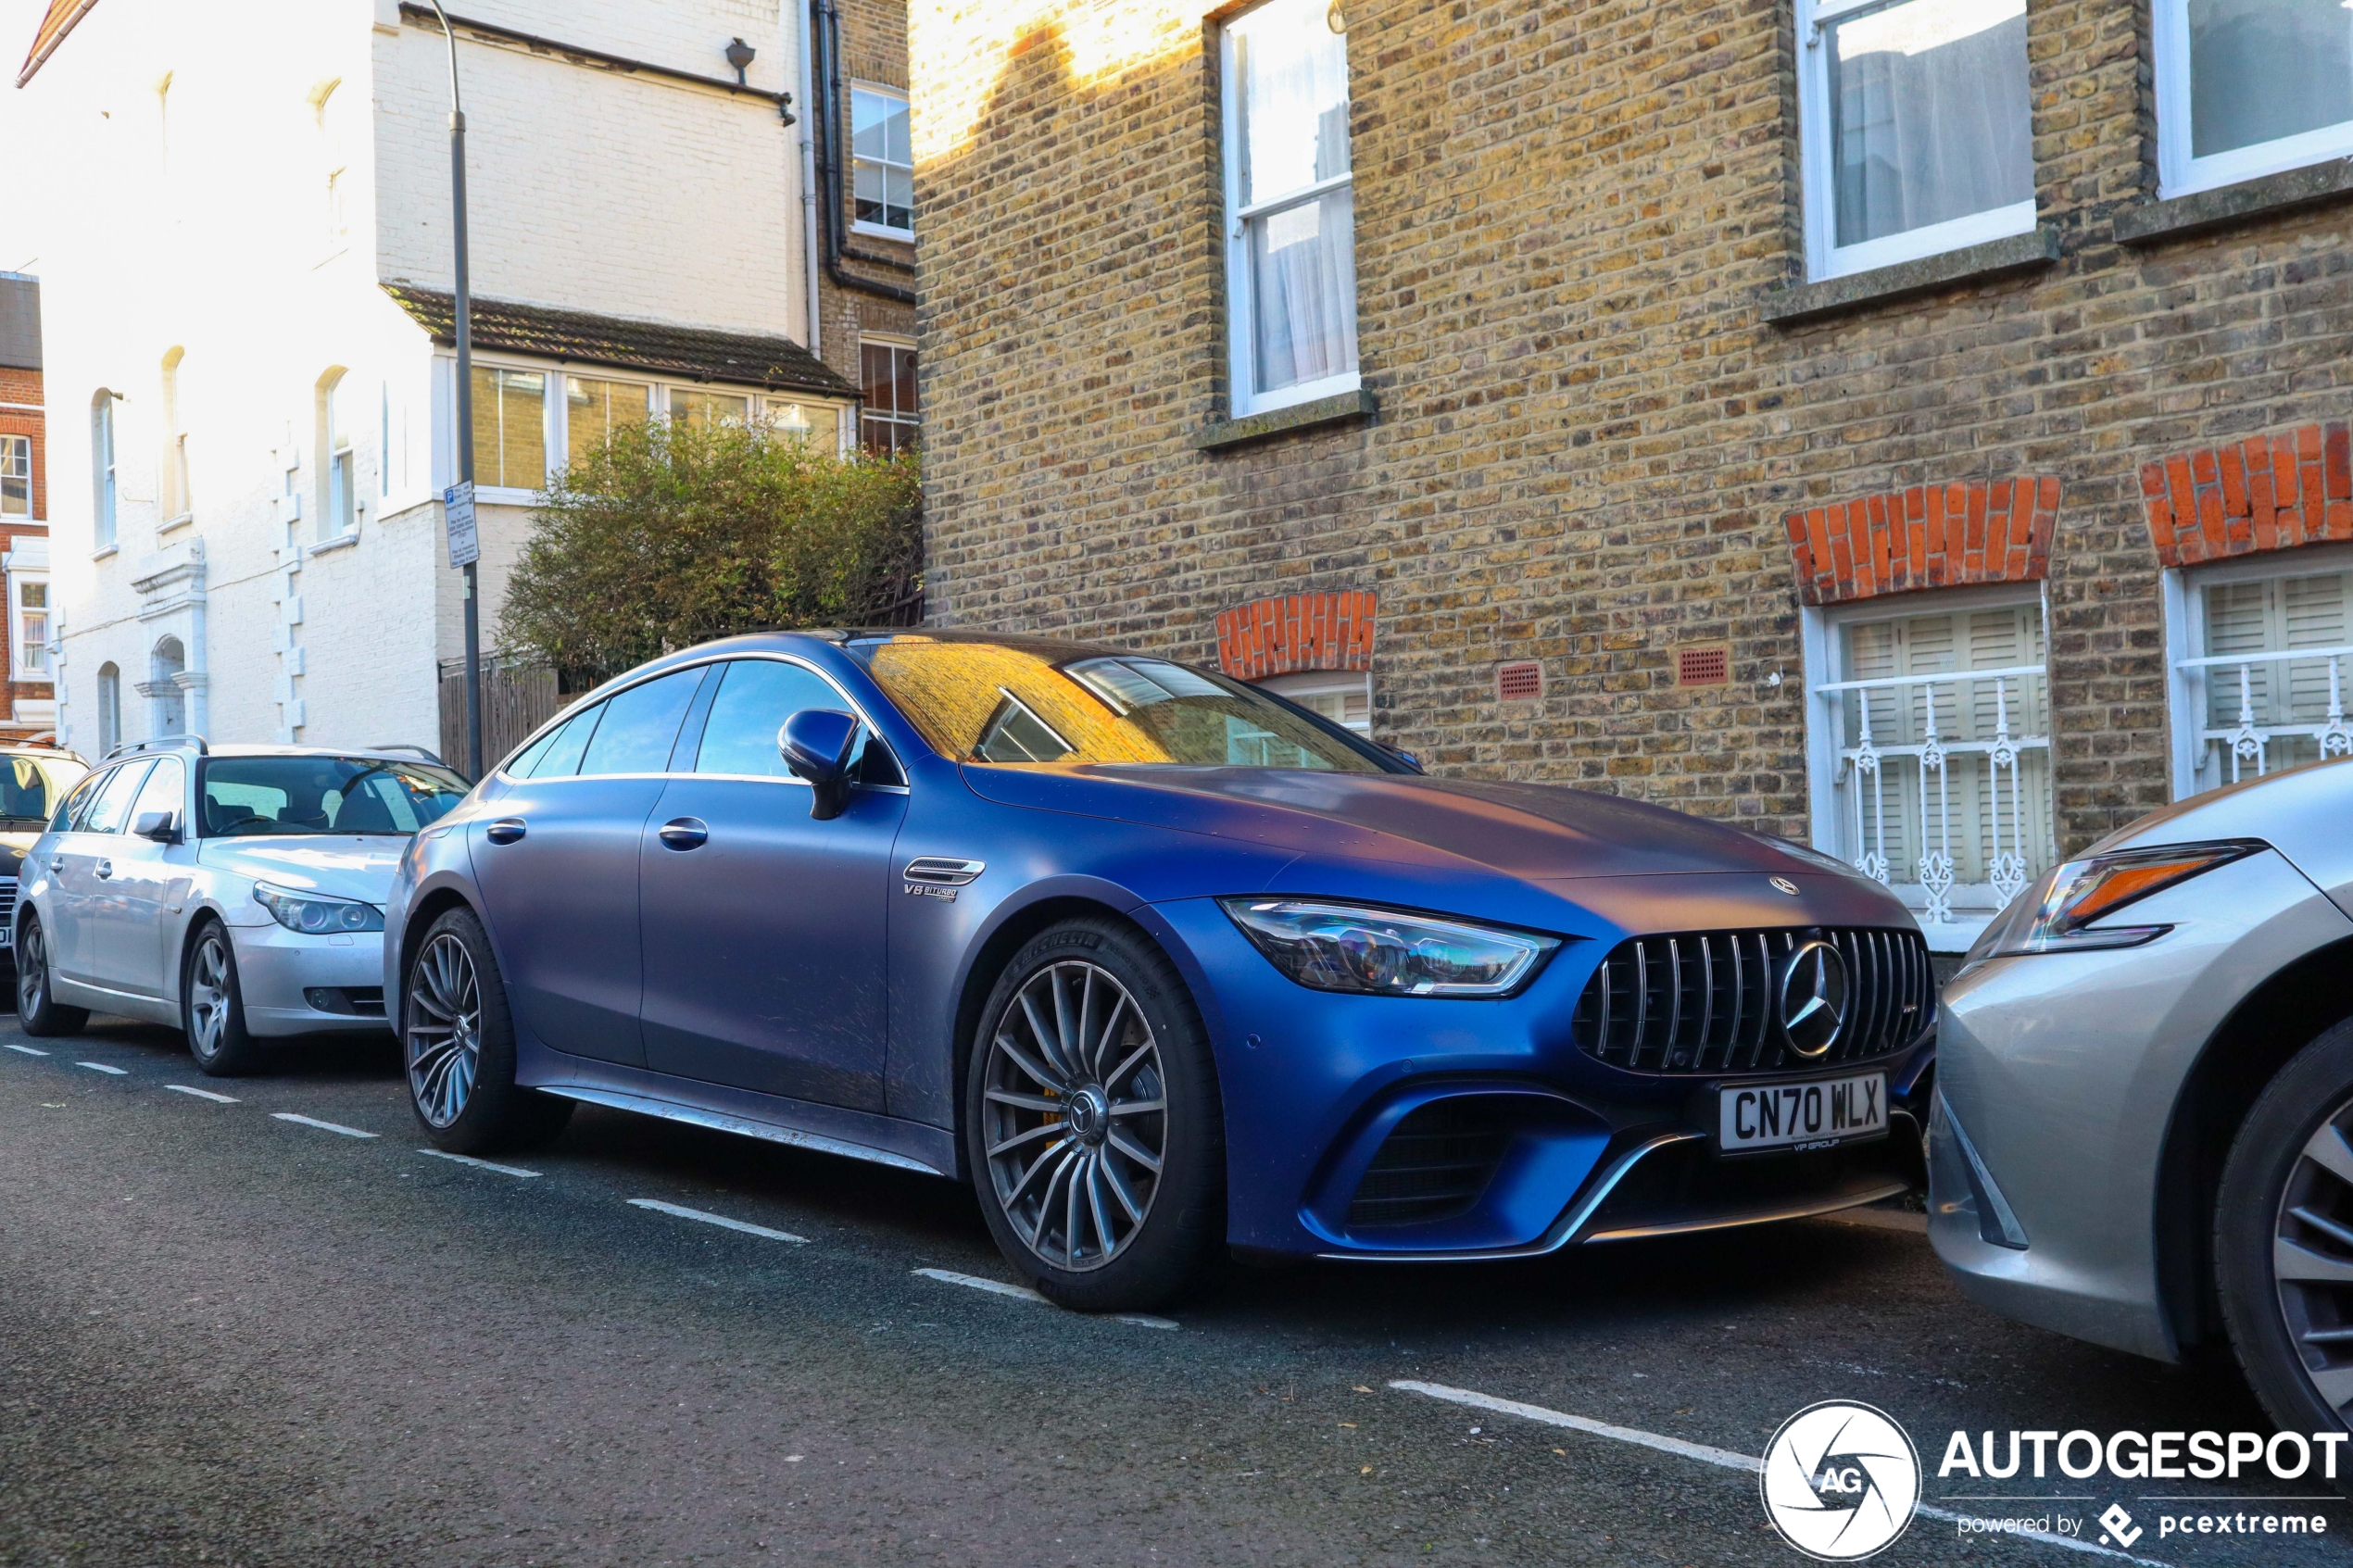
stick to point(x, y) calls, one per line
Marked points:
point(1815, 1114)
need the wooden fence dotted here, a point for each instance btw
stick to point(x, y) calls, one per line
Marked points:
point(516, 699)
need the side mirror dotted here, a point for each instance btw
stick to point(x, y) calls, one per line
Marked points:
point(816, 744)
point(161, 826)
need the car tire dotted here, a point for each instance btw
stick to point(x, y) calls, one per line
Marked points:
point(38, 1009)
point(458, 1046)
point(212, 1006)
point(1091, 1063)
point(2292, 1158)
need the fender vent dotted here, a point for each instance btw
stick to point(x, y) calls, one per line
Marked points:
point(1435, 1165)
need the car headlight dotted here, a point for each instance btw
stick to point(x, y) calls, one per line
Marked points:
point(1383, 953)
point(2056, 915)
point(317, 914)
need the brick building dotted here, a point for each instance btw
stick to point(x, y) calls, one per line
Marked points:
point(31, 706)
point(1912, 426)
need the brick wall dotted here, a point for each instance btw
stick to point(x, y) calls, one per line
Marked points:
point(22, 388)
point(1588, 439)
point(873, 49)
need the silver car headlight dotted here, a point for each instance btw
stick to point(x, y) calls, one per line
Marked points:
point(317, 914)
point(2056, 915)
point(1384, 953)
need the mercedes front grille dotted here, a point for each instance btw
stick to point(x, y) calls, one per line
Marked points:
point(1708, 1002)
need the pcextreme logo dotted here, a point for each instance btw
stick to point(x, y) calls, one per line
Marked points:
point(1841, 1481)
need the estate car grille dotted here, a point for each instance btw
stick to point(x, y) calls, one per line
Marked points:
point(1708, 1001)
point(1433, 1166)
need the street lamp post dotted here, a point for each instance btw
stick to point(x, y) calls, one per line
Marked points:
point(465, 400)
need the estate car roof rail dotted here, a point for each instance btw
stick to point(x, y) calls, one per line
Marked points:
point(160, 742)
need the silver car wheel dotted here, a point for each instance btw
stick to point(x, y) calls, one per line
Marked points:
point(1075, 1115)
point(444, 1030)
point(208, 994)
point(33, 971)
point(2312, 1259)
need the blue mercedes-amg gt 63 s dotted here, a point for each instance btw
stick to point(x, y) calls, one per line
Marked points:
point(1159, 962)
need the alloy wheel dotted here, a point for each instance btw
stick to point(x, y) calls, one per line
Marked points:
point(2312, 1259)
point(33, 970)
point(1075, 1115)
point(444, 1030)
point(208, 994)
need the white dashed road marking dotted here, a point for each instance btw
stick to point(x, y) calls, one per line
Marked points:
point(28, 1050)
point(684, 1213)
point(1022, 1293)
point(203, 1094)
point(102, 1067)
point(478, 1164)
point(322, 1126)
point(1703, 1453)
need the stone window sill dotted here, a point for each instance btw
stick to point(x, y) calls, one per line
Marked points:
point(174, 524)
point(107, 550)
point(2155, 222)
point(1859, 291)
point(1342, 409)
point(327, 546)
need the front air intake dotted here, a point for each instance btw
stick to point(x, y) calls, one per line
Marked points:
point(1435, 1165)
point(1709, 1001)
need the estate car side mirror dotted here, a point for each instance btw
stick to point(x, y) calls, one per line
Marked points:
point(816, 742)
point(161, 826)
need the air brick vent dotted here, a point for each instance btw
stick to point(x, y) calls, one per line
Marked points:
point(1709, 664)
point(1520, 681)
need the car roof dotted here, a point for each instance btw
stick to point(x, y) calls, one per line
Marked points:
point(864, 637)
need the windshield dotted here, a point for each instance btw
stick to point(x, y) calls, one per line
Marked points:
point(31, 786)
point(253, 796)
point(1007, 703)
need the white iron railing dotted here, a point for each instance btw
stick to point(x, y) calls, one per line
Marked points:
point(2246, 741)
point(1910, 707)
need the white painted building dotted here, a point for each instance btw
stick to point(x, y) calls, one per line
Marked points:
point(242, 225)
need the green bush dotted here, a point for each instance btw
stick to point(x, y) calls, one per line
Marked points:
point(676, 535)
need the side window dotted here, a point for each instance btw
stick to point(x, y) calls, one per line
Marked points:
point(556, 755)
point(110, 812)
point(165, 790)
point(756, 695)
point(77, 804)
point(641, 724)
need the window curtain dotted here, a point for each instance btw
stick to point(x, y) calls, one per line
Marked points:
point(1929, 115)
point(1302, 258)
point(2261, 69)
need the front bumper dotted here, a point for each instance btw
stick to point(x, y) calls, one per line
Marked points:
point(295, 983)
point(2060, 1076)
point(1563, 1150)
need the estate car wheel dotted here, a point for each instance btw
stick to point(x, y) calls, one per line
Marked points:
point(38, 1008)
point(1092, 1121)
point(457, 1039)
point(212, 1008)
point(2283, 1239)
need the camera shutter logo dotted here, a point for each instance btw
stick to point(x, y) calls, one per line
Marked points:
point(1841, 1481)
point(1814, 997)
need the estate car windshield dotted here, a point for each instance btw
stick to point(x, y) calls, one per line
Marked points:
point(31, 788)
point(257, 796)
point(1010, 703)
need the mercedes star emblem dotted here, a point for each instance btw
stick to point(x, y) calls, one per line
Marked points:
point(1814, 997)
point(1786, 886)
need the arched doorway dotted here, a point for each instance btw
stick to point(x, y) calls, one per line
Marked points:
point(168, 710)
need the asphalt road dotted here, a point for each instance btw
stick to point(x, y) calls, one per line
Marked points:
point(227, 1337)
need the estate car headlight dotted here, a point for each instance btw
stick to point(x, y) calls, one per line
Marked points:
point(1384, 953)
point(317, 914)
point(2056, 915)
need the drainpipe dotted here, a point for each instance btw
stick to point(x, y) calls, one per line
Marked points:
point(829, 165)
point(809, 184)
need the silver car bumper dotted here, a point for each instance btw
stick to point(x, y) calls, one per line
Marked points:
point(2058, 1074)
point(299, 985)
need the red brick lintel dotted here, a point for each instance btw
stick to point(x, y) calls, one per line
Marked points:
point(1296, 632)
point(2266, 492)
point(1929, 536)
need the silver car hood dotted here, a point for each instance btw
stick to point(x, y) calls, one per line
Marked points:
point(2305, 813)
point(350, 867)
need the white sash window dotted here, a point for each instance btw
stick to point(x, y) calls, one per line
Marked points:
point(2264, 650)
point(2249, 87)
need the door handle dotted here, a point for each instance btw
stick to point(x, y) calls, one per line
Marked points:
point(685, 833)
point(105, 869)
point(505, 830)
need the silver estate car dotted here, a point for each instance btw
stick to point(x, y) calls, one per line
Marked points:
point(2143, 1129)
point(234, 892)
